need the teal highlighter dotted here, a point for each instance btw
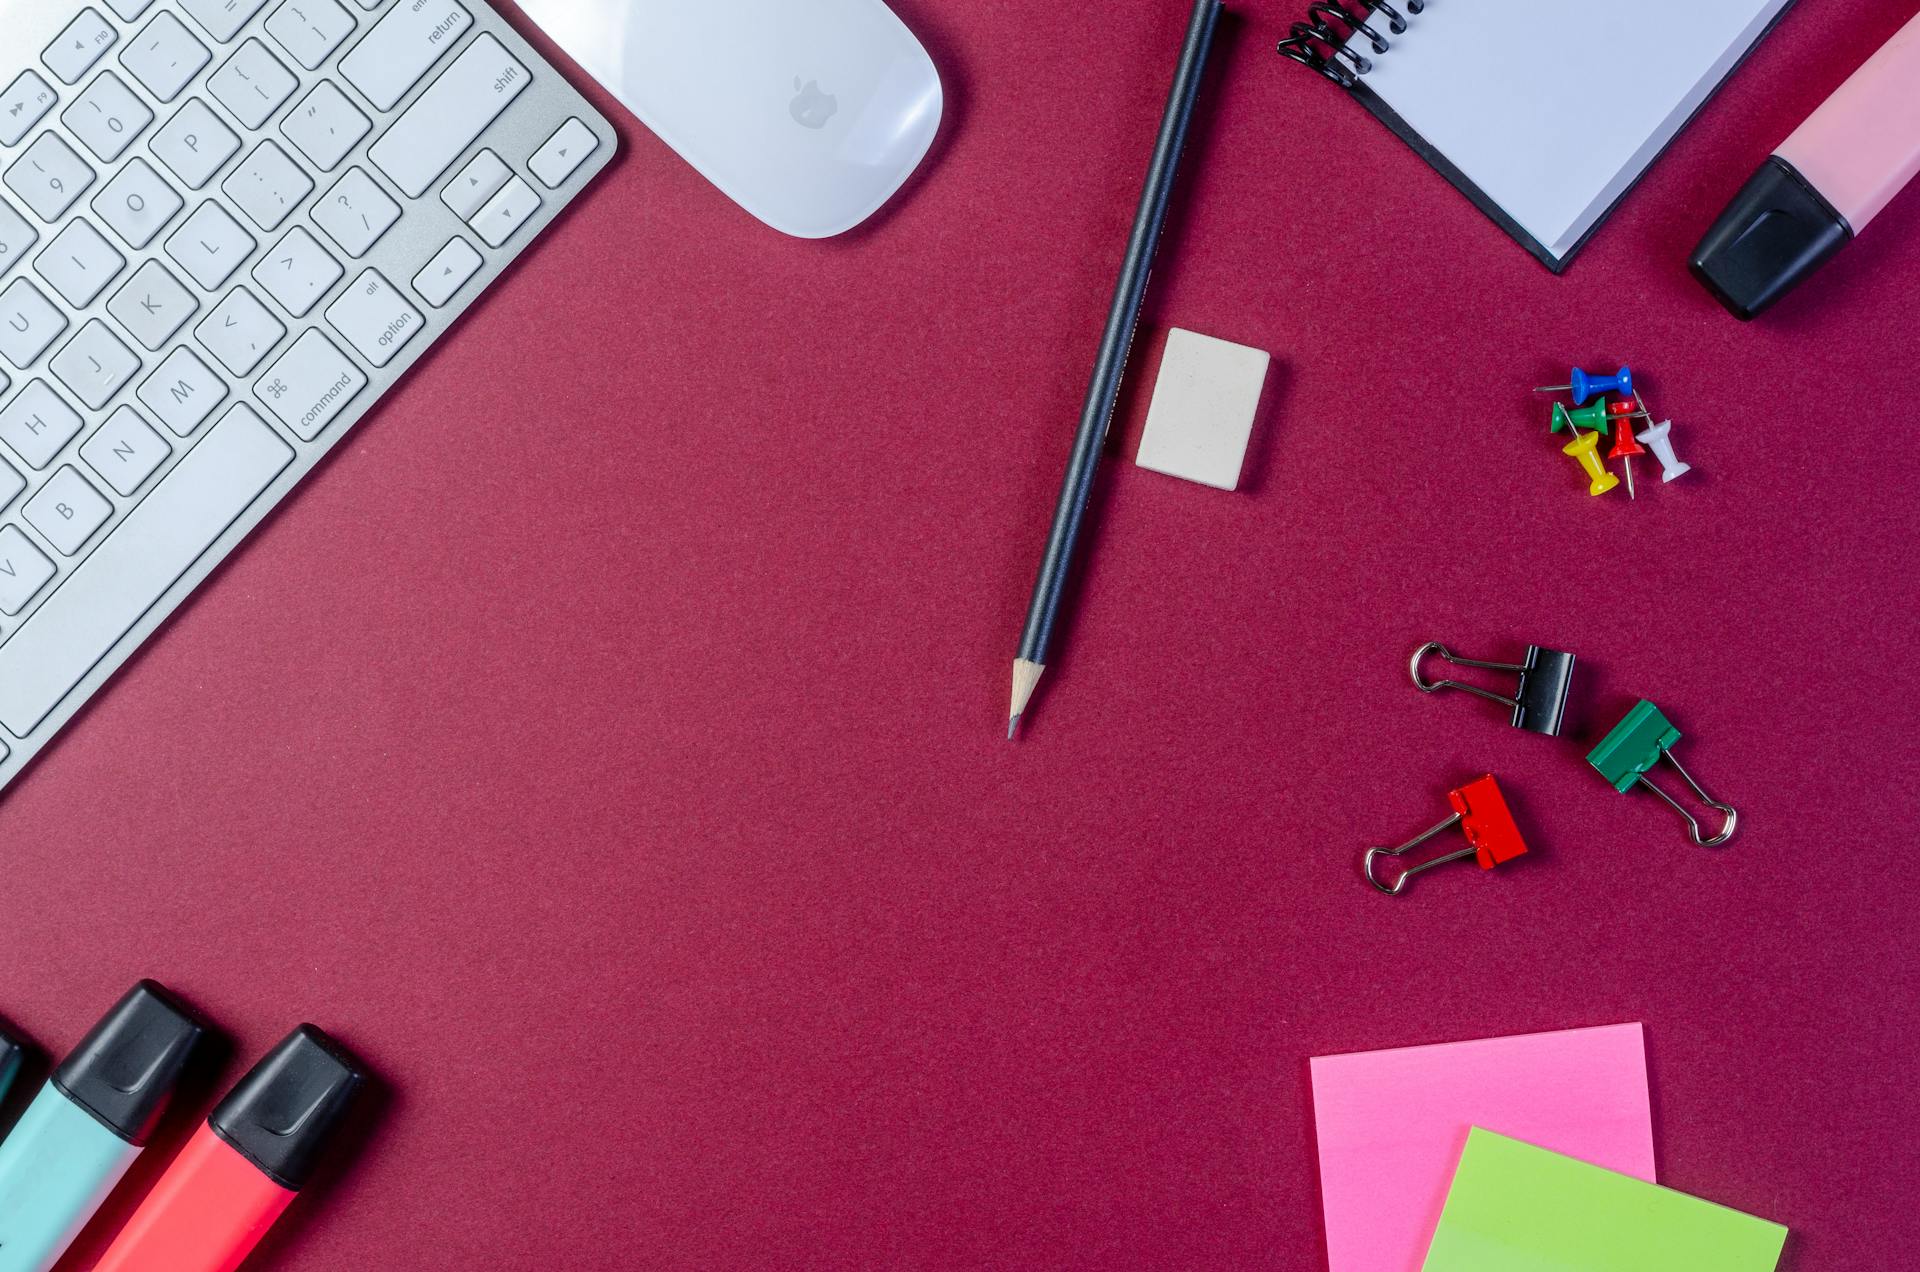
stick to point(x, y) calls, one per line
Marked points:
point(88, 1124)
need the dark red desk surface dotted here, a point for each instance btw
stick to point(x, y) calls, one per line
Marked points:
point(608, 742)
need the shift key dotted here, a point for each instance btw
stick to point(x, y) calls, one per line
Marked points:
point(444, 120)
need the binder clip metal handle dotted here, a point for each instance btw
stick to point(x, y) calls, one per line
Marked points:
point(1539, 704)
point(1481, 812)
point(1641, 740)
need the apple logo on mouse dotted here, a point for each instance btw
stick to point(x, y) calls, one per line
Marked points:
point(811, 107)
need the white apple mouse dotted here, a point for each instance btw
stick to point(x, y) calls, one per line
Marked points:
point(809, 114)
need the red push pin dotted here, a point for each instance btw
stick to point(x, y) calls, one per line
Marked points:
point(1625, 444)
point(1483, 816)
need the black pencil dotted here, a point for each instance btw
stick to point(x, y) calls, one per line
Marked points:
point(1108, 368)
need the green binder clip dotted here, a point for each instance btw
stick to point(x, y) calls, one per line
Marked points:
point(1639, 742)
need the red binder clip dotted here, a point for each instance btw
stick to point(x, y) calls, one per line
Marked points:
point(1483, 816)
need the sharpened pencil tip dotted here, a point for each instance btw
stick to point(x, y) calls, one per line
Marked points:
point(1012, 724)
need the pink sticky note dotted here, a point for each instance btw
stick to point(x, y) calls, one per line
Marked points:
point(1391, 1125)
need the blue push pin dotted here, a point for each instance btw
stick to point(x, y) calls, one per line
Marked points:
point(1585, 386)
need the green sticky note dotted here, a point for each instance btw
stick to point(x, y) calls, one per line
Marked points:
point(1517, 1208)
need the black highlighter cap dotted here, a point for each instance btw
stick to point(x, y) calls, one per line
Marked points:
point(281, 1115)
point(1776, 231)
point(125, 1070)
point(12, 1053)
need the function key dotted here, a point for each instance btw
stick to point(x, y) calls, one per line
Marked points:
point(21, 106)
point(75, 50)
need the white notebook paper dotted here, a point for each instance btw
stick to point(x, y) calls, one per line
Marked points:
point(1545, 112)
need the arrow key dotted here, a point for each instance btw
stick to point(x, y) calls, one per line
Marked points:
point(444, 275)
point(479, 181)
point(564, 152)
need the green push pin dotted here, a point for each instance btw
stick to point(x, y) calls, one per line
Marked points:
point(1640, 741)
point(1594, 417)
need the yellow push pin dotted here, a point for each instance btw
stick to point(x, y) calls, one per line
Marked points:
point(1585, 448)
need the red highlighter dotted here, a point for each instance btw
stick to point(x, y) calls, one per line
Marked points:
point(245, 1165)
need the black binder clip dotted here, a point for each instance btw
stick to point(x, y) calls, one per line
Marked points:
point(1539, 704)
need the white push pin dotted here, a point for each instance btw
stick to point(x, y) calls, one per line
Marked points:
point(1655, 436)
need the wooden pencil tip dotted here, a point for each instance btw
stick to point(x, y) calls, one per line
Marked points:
point(1025, 676)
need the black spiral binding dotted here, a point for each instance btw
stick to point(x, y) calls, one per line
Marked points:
point(1324, 42)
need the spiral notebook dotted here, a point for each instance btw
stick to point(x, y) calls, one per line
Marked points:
point(1543, 112)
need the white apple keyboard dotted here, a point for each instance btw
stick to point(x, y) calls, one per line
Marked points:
point(227, 227)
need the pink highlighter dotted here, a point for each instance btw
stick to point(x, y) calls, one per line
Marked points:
point(1822, 186)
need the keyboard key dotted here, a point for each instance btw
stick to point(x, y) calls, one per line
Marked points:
point(79, 263)
point(268, 186)
point(37, 424)
point(297, 272)
point(129, 10)
point(400, 48)
point(77, 48)
point(506, 212)
point(107, 117)
point(21, 106)
point(125, 451)
point(11, 484)
point(28, 323)
point(325, 126)
point(137, 204)
point(24, 570)
point(450, 267)
point(194, 144)
point(444, 120)
point(252, 84)
point(222, 18)
point(190, 508)
point(310, 30)
point(310, 385)
point(183, 392)
point(240, 331)
point(210, 245)
point(48, 177)
point(479, 181)
point(67, 511)
point(16, 236)
point(94, 364)
point(563, 152)
point(374, 317)
point(153, 305)
point(165, 57)
point(356, 212)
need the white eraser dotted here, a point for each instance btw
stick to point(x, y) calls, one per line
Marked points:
point(1203, 409)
